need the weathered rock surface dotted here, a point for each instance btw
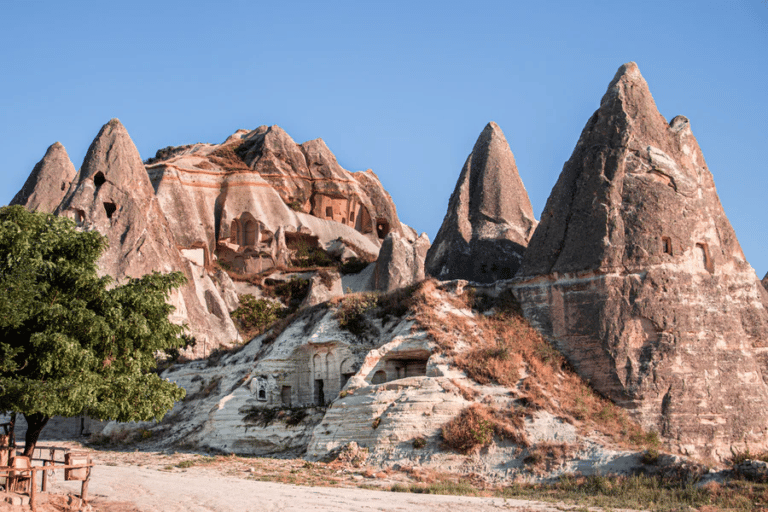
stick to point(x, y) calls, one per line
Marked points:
point(113, 195)
point(765, 281)
point(636, 275)
point(231, 199)
point(400, 263)
point(489, 219)
point(324, 286)
point(48, 182)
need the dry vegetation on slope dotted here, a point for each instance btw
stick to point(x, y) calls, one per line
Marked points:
point(496, 345)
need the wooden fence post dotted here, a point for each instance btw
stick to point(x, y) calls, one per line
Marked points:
point(32, 488)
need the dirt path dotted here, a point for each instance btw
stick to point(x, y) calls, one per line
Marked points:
point(193, 491)
point(127, 481)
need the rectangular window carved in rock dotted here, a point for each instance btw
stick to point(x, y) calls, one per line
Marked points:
point(666, 244)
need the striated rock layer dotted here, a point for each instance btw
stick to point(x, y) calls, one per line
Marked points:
point(238, 194)
point(636, 275)
point(489, 219)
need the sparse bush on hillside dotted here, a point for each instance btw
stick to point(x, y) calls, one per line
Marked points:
point(306, 256)
point(353, 266)
point(475, 427)
point(352, 310)
point(292, 292)
point(254, 315)
point(265, 416)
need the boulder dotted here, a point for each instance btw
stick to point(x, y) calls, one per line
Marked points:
point(324, 286)
point(48, 182)
point(400, 262)
point(489, 219)
point(636, 275)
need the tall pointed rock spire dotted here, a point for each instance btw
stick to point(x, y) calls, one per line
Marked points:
point(48, 182)
point(636, 275)
point(114, 195)
point(489, 218)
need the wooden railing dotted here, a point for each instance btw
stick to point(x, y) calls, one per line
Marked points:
point(21, 475)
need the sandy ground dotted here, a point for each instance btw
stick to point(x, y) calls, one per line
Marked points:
point(146, 481)
point(151, 490)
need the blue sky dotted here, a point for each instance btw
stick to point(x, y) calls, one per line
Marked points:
point(403, 88)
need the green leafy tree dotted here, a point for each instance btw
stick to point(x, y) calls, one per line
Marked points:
point(69, 343)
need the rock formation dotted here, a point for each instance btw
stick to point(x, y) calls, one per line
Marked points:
point(765, 281)
point(113, 195)
point(489, 219)
point(635, 273)
point(48, 182)
point(252, 203)
point(232, 198)
point(400, 263)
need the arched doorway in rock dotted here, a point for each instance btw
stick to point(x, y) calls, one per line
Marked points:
point(380, 377)
point(235, 232)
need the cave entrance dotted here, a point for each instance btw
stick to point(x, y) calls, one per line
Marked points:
point(409, 367)
point(382, 228)
point(110, 208)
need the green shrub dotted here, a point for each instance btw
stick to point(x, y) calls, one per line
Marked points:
point(419, 443)
point(353, 266)
point(352, 312)
point(255, 315)
point(292, 292)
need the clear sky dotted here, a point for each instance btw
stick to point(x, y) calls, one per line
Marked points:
point(401, 87)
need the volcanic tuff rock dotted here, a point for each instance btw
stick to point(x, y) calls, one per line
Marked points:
point(400, 262)
point(113, 194)
point(635, 273)
point(233, 197)
point(489, 219)
point(252, 203)
point(48, 182)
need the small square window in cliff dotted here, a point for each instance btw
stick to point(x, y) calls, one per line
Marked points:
point(99, 179)
point(666, 244)
point(329, 212)
point(262, 394)
point(110, 208)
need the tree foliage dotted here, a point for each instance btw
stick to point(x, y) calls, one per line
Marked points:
point(70, 343)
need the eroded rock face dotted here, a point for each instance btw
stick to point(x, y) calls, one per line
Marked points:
point(489, 219)
point(48, 182)
point(233, 198)
point(113, 195)
point(400, 262)
point(636, 275)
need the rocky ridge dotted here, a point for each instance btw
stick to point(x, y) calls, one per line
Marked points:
point(251, 204)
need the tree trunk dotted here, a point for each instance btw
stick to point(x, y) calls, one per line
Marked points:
point(12, 431)
point(35, 424)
